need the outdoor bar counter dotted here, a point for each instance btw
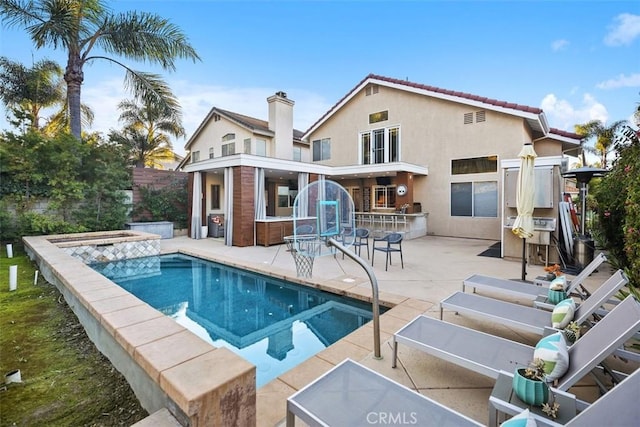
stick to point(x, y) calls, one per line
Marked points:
point(411, 225)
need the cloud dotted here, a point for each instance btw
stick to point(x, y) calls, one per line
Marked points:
point(198, 99)
point(561, 114)
point(622, 80)
point(558, 45)
point(624, 30)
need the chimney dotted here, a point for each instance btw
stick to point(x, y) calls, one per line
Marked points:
point(281, 123)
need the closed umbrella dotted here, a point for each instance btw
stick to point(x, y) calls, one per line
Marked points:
point(525, 192)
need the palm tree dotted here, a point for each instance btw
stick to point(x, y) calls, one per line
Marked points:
point(142, 150)
point(147, 129)
point(605, 136)
point(79, 26)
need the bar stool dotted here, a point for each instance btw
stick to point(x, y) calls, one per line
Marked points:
point(388, 222)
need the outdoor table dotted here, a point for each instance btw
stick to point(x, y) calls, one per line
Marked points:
point(503, 401)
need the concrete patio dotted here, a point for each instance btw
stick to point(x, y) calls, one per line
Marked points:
point(434, 267)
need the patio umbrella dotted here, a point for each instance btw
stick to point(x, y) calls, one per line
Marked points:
point(525, 192)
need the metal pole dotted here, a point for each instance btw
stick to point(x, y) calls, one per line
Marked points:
point(524, 259)
point(375, 306)
point(583, 214)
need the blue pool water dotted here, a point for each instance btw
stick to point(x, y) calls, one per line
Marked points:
point(274, 324)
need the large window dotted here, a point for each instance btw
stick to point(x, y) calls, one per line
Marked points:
point(322, 149)
point(229, 149)
point(261, 147)
point(474, 165)
point(380, 146)
point(475, 199)
point(384, 196)
point(195, 156)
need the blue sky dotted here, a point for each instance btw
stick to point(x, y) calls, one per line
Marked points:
point(577, 60)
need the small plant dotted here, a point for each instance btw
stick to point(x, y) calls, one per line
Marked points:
point(535, 371)
point(572, 332)
point(553, 270)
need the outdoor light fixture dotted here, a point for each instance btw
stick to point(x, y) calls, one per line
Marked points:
point(583, 176)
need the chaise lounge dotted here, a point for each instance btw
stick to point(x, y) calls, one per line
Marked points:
point(528, 318)
point(488, 354)
point(528, 291)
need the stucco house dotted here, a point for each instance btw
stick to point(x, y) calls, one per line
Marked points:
point(445, 159)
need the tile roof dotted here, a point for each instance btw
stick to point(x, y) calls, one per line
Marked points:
point(564, 133)
point(464, 95)
point(253, 123)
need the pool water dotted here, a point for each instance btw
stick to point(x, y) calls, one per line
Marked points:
point(274, 324)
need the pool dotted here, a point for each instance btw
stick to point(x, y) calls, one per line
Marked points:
point(274, 324)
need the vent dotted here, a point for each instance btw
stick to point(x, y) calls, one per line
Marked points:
point(468, 118)
point(371, 90)
point(480, 116)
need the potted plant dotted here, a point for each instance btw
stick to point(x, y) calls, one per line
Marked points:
point(530, 386)
point(572, 332)
point(552, 271)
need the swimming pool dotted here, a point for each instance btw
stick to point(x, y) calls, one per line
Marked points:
point(274, 324)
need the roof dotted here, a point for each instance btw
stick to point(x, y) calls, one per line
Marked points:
point(251, 123)
point(533, 115)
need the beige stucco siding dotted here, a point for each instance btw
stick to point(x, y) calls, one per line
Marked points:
point(432, 133)
point(211, 136)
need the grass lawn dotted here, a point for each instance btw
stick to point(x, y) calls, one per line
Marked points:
point(66, 381)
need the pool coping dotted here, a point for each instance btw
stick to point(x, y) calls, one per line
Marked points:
point(137, 339)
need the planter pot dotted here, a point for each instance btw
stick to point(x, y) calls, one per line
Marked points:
point(555, 297)
point(531, 392)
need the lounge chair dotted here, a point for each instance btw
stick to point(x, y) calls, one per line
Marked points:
point(616, 407)
point(488, 354)
point(525, 290)
point(528, 318)
point(353, 395)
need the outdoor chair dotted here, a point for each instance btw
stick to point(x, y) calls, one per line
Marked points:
point(529, 319)
point(361, 239)
point(525, 290)
point(353, 395)
point(390, 243)
point(488, 354)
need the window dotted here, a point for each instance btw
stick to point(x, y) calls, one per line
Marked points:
point(261, 147)
point(284, 200)
point(322, 149)
point(211, 156)
point(195, 156)
point(215, 196)
point(247, 146)
point(474, 165)
point(380, 146)
point(474, 199)
point(378, 117)
point(229, 149)
point(229, 137)
point(297, 154)
point(371, 90)
point(384, 196)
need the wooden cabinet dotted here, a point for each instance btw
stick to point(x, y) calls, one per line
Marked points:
point(272, 232)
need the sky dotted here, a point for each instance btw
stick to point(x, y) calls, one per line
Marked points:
point(577, 60)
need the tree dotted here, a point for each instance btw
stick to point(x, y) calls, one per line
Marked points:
point(26, 92)
point(147, 132)
point(603, 134)
point(80, 26)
